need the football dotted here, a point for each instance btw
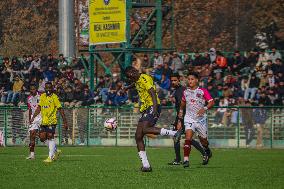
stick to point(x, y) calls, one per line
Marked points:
point(110, 124)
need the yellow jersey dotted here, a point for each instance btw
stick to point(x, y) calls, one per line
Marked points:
point(49, 106)
point(144, 83)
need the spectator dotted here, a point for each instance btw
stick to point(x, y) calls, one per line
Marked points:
point(158, 60)
point(262, 59)
point(247, 118)
point(220, 60)
point(121, 96)
point(13, 95)
point(165, 84)
point(34, 68)
point(88, 97)
point(176, 65)
point(260, 115)
point(69, 74)
point(62, 62)
point(270, 79)
point(274, 55)
point(263, 99)
point(253, 85)
point(212, 55)
point(110, 101)
point(49, 74)
point(167, 70)
point(69, 96)
point(220, 113)
point(198, 60)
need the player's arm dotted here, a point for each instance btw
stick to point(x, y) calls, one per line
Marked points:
point(210, 103)
point(153, 95)
point(181, 113)
point(37, 111)
point(61, 111)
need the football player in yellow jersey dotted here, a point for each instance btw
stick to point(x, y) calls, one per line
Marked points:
point(150, 109)
point(48, 107)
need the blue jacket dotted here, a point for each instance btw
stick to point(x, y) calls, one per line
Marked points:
point(260, 115)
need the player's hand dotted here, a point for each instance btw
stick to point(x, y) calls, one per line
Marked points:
point(201, 112)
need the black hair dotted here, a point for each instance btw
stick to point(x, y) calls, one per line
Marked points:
point(193, 74)
point(175, 75)
point(129, 69)
point(48, 83)
point(33, 85)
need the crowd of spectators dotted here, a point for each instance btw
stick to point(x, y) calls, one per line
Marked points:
point(254, 78)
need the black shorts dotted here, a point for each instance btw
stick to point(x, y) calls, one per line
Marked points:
point(147, 115)
point(47, 128)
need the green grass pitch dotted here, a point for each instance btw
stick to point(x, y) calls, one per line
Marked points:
point(118, 167)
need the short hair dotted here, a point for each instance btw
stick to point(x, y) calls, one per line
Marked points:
point(193, 74)
point(129, 69)
point(33, 85)
point(48, 83)
point(175, 75)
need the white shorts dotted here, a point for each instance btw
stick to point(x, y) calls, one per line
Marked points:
point(35, 124)
point(197, 126)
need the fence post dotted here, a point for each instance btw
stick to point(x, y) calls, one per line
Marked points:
point(116, 130)
point(238, 121)
point(59, 131)
point(271, 128)
point(88, 125)
point(5, 126)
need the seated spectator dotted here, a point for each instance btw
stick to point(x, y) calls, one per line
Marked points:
point(167, 70)
point(121, 96)
point(220, 60)
point(263, 99)
point(274, 55)
point(69, 74)
point(220, 113)
point(270, 79)
point(111, 95)
point(157, 60)
point(34, 68)
point(49, 74)
point(12, 96)
point(62, 62)
point(176, 65)
point(165, 84)
point(253, 85)
point(262, 59)
point(69, 96)
point(88, 97)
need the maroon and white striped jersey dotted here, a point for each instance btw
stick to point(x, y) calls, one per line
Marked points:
point(33, 102)
point(195, 100)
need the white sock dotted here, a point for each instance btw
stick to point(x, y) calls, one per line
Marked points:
point(47, 143)
point(52, 148)
point(33, 154)
point(143, 157)
point(167, 132)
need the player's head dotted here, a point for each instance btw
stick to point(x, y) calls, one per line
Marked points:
point(48, 88)
point(132, 74)
point(175, 80)
point(193, 79)
point(33, 89)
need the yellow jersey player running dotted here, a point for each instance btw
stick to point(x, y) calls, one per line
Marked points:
point(48, 107)
point(150, 109)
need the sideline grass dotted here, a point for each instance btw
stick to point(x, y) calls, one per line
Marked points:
point(111, 167)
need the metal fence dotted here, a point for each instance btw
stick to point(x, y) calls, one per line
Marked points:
point(231, 127)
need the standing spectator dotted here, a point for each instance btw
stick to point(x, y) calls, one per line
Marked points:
point(260, 115)
point(247, 118)
point(26, 63)
point(177, 65)
point(274, 55)
point(253, 85)
point(34, 68)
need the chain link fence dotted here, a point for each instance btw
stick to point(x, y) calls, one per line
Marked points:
point(228, 127)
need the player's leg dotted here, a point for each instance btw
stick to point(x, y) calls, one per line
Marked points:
point(53, 151)
point(33, 134)
point(197, 145)
point(187, 144)
point(202, 131)
point(177, 159)
point(141, 147)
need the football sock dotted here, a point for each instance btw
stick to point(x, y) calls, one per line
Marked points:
point(51, 148)
point(186, 149)
point(177, 151)
point(144, 159)
point(32, 154)
point(167, 132)
point(198, 146)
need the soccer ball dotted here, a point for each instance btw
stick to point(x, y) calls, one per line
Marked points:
point(110, 124)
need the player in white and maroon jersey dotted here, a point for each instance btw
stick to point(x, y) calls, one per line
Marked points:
point(196, 101)
point(33, 100)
